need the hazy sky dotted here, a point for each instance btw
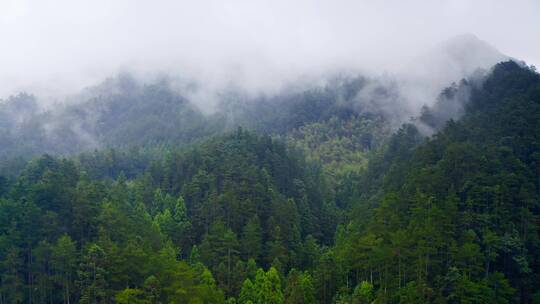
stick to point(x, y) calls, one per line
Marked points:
point(60, 46)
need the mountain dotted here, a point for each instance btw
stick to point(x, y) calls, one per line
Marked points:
point(124, 112)
point(453, 217)
point(461, 57)
point(120, 113)
point(243, 217)
point(396, 189)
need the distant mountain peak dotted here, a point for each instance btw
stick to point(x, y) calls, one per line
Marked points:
point(450, 61)
point(467, 53)
point(467, 38)
point(457, 58)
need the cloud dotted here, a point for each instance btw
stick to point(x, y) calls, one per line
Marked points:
point(55, 47)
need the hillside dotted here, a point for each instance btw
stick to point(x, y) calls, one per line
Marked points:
point(336, 209)
point(456, 219)
point(234, 202)
point(352, 113)
point(130, 116)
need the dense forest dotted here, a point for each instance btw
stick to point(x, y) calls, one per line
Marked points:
point(307, 197)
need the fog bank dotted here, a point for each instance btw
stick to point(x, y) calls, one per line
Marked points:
point(53, 48)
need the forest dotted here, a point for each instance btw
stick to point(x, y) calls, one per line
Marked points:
point(304, 198)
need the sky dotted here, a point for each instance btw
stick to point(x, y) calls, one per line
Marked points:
point(60, 46)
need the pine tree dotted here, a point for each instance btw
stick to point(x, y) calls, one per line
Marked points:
point(252, 239)
point(92, 275)
point(64, 261)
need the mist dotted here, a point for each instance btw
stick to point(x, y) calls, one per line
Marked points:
point(132, 73)
point(55, 48)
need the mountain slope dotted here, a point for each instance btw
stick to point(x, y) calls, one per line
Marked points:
point(456, 219)
point(224, 206)
point(451, 218)
point(123, 112)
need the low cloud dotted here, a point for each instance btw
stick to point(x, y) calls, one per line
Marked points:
point(54, 48)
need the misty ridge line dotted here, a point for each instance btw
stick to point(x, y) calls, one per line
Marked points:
point(130, 109)
point(446, 62)
point(81, 118)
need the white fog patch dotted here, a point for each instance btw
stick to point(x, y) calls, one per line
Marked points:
point(56, 48)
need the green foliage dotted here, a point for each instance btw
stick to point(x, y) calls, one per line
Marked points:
point(265, 289)
point(451, 217)
point(93, 275)
point(338, 214)
point(229, 203)
point(363, 293)
point(252, 238)
point(342, 145)
point(299, 288)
